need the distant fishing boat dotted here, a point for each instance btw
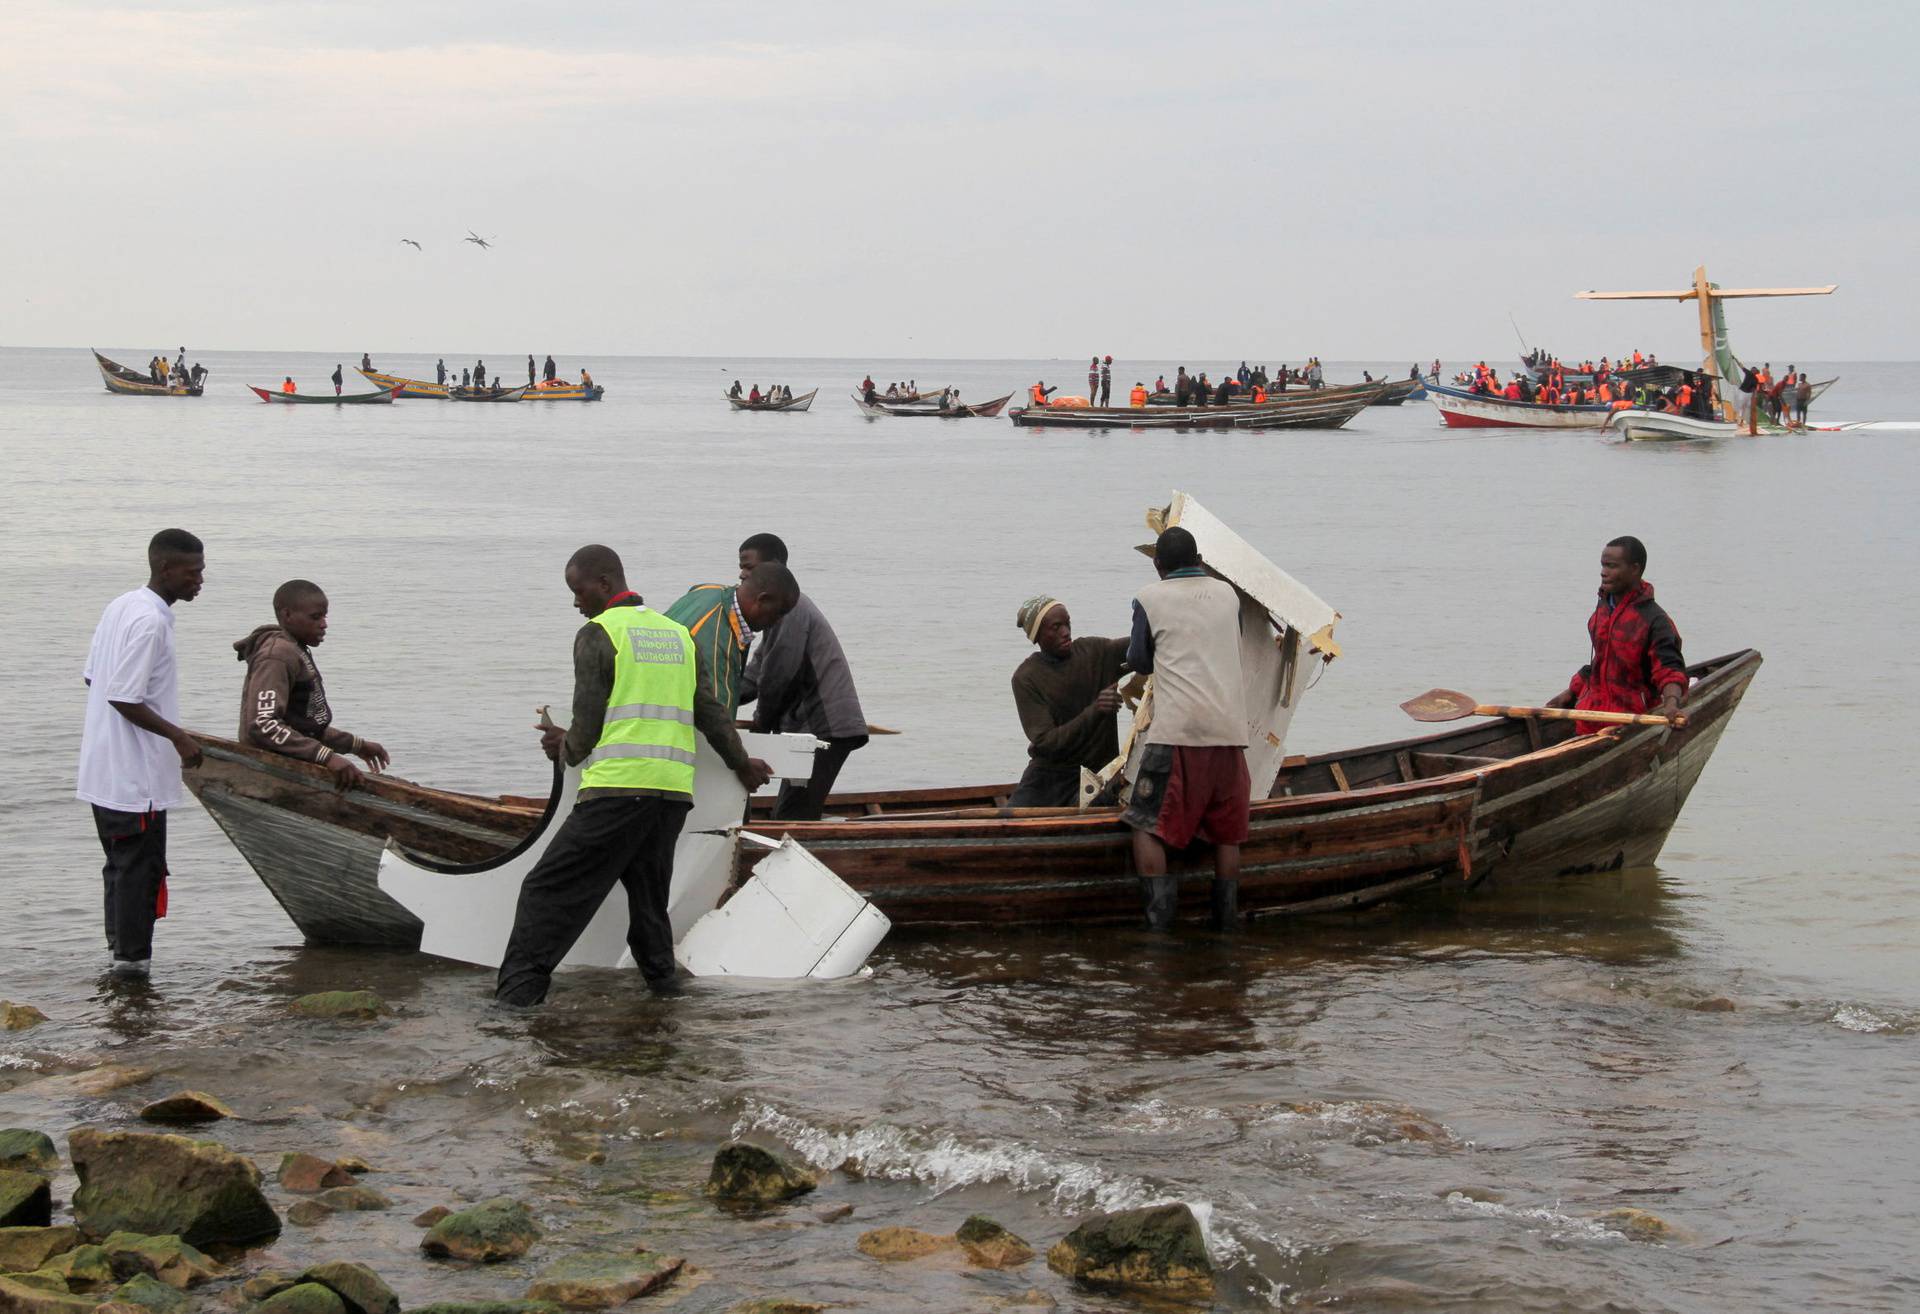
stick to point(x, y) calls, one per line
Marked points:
point(930, 405)
point(1324, 408)
point(800, 403)
point(1462, 409)
point(322, 399)
point(565, 390)
point(493, 394)
point(410, 389)
point(132, 383)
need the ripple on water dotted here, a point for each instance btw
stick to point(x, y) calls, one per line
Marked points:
point(1874, 1020)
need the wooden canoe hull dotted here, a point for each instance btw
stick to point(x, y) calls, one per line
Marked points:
point(1663, 426)
point(125, 382)
point(1305, 410)
point(1461, 409)
point(1505, 799)
point(409, 389)
point(800, 403)
point(322, 399)
point(930, 408)
point(487, 394)
point(318, 851)
point(563, 390)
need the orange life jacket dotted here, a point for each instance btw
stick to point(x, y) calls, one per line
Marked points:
point(1259, 394)
point(288, 386)
point(1685, 399)
point(1038, 394)
point(1138, 397)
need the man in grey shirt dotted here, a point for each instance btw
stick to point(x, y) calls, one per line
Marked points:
point(798, 681)
point(1192, 778)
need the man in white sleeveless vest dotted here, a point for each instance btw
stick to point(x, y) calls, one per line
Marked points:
point(637, 704)
point(1192, 780)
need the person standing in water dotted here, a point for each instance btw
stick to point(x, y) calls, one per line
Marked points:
point(132, 747)
point(338, 377)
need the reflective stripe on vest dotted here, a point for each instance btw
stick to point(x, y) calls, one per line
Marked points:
point(647, 741)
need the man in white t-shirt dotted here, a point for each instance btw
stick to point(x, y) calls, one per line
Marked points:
point(132, 748)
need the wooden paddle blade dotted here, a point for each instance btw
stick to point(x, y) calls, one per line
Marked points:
point(1439, 705)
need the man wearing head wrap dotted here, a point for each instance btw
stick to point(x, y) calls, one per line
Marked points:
point(1068, 704)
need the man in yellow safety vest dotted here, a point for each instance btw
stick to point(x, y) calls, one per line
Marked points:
point(637, 704)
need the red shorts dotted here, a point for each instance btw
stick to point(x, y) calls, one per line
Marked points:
point(1186, 793)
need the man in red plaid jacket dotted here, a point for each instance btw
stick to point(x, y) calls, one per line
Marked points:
point(1636, 664)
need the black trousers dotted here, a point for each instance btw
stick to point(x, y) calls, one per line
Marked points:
point(1046, 785)
point(136, 869)
point(628, 840)
point(807, 802)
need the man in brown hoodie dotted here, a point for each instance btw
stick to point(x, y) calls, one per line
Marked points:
point(283, 707)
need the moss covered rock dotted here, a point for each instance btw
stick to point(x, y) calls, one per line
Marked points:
point(165, 1185)
point(357, 1285)
point(776, 1305)
point(86, 1268)
point(487, 1307)
point(747, 1174)
point(47, 1281)
point(23, 1249)
point(303, 1173)
point(186, 1106)
point(308, 1213)
point(26, 1199)
point(354, 1199)
point(603, 1279)
point(19, 1017)
point(18, 1297)
point(166, 1258)
point(1158, 1249)
point(490, 1231)
point(269, 1283)
point(150, 1294)
point(303, 1298)
point(27, 1151)
point(990, 1245)
point(428, 1217)
point(352, 1005)
point(896, 1244)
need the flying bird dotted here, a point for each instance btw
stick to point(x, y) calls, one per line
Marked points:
point(477, 240)
point(410, 242)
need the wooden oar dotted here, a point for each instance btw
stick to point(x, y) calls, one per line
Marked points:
point(1451, 705)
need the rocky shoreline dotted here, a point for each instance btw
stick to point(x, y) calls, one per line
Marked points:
point(161, 1222)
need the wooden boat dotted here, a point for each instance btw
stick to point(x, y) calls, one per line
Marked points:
point(323, 399)
point(1326, 408)
point(410, 389)
point(1507, 798)
point(1291, 392)
point(1462, 409)
point(930, 406)
point(800, 403)
point(132, 383)
point(565, 390)
point(1398, 391)
point(491, 394)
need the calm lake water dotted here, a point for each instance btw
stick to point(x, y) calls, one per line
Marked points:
point(1421, 1108)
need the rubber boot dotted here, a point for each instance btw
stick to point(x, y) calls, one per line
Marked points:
point(1226, 904)
point(1161, 895)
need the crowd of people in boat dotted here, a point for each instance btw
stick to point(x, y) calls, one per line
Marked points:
point(776, 394)
point(1247, 384)
point(176, 374)
point(1543, 362)
point(1693, 395)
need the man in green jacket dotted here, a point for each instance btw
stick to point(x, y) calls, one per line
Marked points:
point(723, 620)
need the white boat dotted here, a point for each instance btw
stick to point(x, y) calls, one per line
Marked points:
point(1473, 410)
point(1665, 426)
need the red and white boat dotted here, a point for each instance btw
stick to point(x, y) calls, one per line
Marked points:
point(1474, 410)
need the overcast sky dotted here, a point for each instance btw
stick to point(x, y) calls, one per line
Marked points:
point(1364, 181)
